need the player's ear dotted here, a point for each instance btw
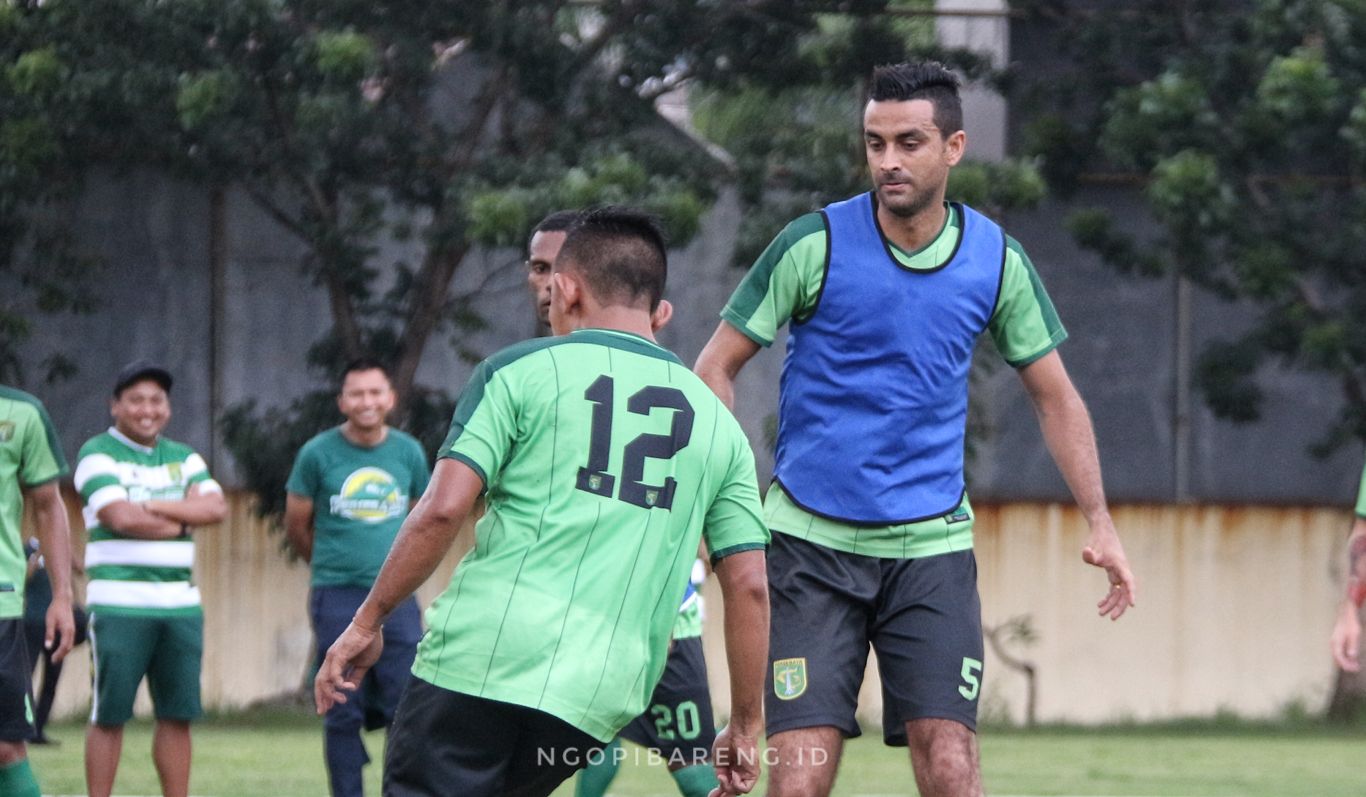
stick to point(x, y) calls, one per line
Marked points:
point(954, 147)
point(661, 316)
point(565, 286)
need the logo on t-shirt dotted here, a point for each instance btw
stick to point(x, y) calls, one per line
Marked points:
point(370, 495)
point(6, 431)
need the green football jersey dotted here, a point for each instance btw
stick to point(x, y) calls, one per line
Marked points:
point(1361, 496)
point(785, 284)
point(129, 575)
point(29, 456)
point(360, 497)
point(604, 460)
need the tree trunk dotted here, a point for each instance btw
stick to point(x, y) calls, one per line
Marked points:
point(428, 301)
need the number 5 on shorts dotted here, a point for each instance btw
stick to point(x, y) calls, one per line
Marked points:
point(971, 683)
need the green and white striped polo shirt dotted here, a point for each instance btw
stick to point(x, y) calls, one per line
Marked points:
point(130, 575)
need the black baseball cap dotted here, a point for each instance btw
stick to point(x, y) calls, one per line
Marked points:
point(138, 370)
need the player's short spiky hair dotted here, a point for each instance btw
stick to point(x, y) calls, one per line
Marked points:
point(620, 253)
point(927, 80)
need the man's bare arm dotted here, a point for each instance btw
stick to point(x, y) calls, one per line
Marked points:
point(54, 539)
point(721, 360)
point(299, 525)
point(1346, 639)
point(423, 540)
point(1066, 427)
point(133, 520)
point(195, 509)
point(744, 592)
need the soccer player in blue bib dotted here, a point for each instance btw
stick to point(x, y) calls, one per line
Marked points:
point(887, 293)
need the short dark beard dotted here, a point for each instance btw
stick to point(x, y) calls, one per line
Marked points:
point(918, 204)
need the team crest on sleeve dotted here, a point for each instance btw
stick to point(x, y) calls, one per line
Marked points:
point(370, 495)
point(6, 431)
point(789, 678)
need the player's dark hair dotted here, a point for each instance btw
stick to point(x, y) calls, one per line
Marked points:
point(362, 364)
point(620, 253)
point(927, 80)
point(559, 221)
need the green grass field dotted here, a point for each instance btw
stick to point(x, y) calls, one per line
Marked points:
point(280, 755)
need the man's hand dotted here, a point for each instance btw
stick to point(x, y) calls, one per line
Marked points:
point(1104, 550)
point(345, 666)
point(61, 628)
point(736, 757)
point(1346, 638)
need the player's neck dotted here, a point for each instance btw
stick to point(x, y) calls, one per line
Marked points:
point(622, 319)
point(365, 438)
point(912, 233)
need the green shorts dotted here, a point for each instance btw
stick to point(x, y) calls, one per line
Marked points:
point(166, 649)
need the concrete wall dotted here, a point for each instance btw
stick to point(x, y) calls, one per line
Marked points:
point(1233, 614)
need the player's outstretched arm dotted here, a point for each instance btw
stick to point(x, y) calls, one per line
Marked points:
point(1346, 639)
point(744, 592)
point(54, 539)
point(1067, 430)
point(423, 540)
point(721, 360)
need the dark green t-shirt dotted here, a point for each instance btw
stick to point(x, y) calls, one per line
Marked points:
point(605, 460)
point(360, 497)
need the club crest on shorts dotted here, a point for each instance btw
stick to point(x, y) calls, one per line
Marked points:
point(6, 431)
point(789, 678)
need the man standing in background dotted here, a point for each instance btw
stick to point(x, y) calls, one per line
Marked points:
point(31, 461)
point(143, 494)
point(348, 493)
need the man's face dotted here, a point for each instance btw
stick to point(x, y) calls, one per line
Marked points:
point(908, 157)
point(366, 399)
point(141, 411)
point(541, 253)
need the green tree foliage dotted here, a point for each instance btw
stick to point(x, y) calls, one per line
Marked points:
point(1243, 124)
point(795, 141)
point(450, 124)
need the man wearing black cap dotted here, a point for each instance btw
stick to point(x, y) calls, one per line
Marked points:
point(142, 495)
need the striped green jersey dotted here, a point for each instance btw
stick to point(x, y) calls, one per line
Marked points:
point(29, 456)
point(130, 575)
point(605, 460)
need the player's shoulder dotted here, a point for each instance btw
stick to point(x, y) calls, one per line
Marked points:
point(809, 230)
point(517, 353)
point(102, 443)
point(25, 401)
point(175, 449)
point(404, 440)
point(319, 443)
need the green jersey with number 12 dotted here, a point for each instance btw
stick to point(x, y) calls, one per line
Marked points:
point(604, 460)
